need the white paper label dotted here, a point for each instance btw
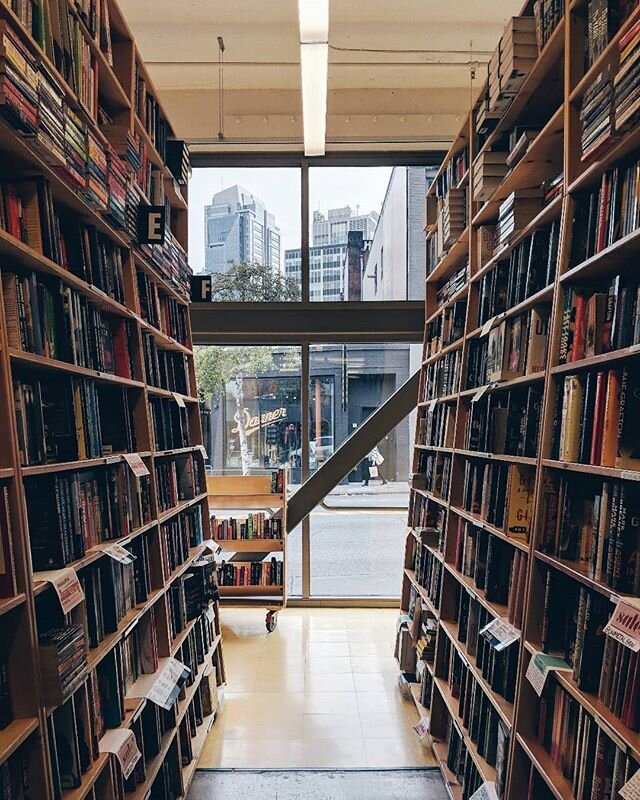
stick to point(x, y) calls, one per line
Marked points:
point(167, 686)
point(112, 460)
point(487, 326)
point(213, 546)
point(540, 666)
point(500, 633)
point(481, 392)
point(118, 553)
point(179, 399)
point(211, 614)
point(486, 792)
point(422, 728)
point(122, 743)
point(202, 449)
point(624, 625)
point(137, 465)
point(631, 789)
point(432, 405)
point(630, 475)
point(66, 585)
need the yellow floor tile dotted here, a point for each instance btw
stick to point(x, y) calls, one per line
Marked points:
point(340, 753)
point(329, 666)
point(327, 650)
point(331, 726)
point(397, 753)
point(331, 703)
point(329, 683)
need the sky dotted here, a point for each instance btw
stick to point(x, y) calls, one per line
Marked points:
point(279, 189)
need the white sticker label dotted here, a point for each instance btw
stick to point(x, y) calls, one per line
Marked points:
point(500, 633)
point(631, 789)
point(481, 392)
point(112, 460)
point(201, 448)
point(630, 475)
point(432, 405)
point(487, 326)
point(179, 399)
point(624, 625)
point(167, 686)
point(422, 728)
point(213, 546)
point(486, 792)
point(118, 553)
point(540, 666)
point(66, 585)
point(210, 613)
point(138, 467)
point(122, 743)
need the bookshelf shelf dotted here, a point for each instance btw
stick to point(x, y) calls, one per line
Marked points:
point(532, 87)
point(9, 603)
point(451, 783)
point(448, 349)
point(15, 734)
point(88, 779)
point(44, 363)
point(181, 507)
point(250, 545)
point(6, 473)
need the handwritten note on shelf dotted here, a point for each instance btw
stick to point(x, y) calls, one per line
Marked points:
point(65, 584)
point(122, 743)
point(631, 789)
point(624, 625)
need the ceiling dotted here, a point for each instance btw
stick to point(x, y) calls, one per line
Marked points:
point(399, 74)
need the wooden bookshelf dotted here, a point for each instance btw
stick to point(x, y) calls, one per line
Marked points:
point(94, 160)
point(251, 498)
point(458, 557)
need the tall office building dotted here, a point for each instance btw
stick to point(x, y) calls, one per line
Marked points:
point(329, 237)
point(238, 227)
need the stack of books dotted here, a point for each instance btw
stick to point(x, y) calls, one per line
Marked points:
point(63, 662)
point(512, 61)
point(520, 139)
point(488, 174)
point(548, 14)
point(51, 114)
point(117, 180)
point(18, 82)
point(452, 285)
point(96, 176)
point(453, 215)
point(516, 211)
point(75, 136)
point(179, 160)
point(596, 114)
point(627, 102)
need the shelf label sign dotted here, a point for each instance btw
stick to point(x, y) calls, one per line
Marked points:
point(422, 728)
point(481, 392)
point(631, 789)
point(118, 553)
point(487, 326)
point(624, 625)
point(152, 224)
point(486, 792)
point(167, 687)
point(500, 633)
point(138, 467)
point(540, 666)
point(65, 584)
point(202, 449)
point(122, 743)
point(179, 399)
point(210, 544)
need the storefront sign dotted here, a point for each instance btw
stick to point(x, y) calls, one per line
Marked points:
point(253, 423)
point(624, 625)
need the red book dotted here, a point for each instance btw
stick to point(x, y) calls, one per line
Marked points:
point(629, 36)
point(121, 349)
point(598, 420)
point(579, 323)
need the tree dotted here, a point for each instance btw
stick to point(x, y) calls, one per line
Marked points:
point(218, 368)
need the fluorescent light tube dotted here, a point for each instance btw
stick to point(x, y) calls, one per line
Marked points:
point(314, 56)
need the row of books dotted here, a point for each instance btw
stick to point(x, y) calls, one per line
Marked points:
point(626, 79)
point(442, 377)
point(254, 526)
point(604, 18)
point(49, 319)
point(178, 536)
point(63, 662)
point(459, 760)
point(170, 424)
point(547, 14)
point(580, 748)
point(15, 783)
point(257, 573)
point(428, 570)
point(497, 569)
point(166, 369)
point(515, 347)
point(607, 213)
point(149, 113)
point(435, 426)
point(474, 709)
point(453, 173)
point(69, 513)
point(497, 667)
point(428, 515)
point(596, 422)
point(161, 310)
point(596, 322)
point(65, 419)
point(178, 479)
point(433, 473)
point(452, 285)
point(445, 329)
point(505, 423)
point(593, 522)
point(500, 494)
point(531, 267)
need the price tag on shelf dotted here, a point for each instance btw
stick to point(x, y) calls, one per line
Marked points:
point(500, 633)
point(167, 687)
point(118, 553)
point(213, 546)
point(65, 584)
point(138, 467)
point(112, 460)
point(487, 326)
point(631, 789)
point(481, 392)
point(210, 612)
point(540, 666)
point(624, 625)
point(422, 728)
point(486, 792)
point(122, 743)
point(179, 399)
point(630, 475)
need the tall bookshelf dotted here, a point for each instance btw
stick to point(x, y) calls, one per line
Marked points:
point(102, 479)
point(516, 464)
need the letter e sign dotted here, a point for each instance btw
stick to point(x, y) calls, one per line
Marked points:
point(151, 224)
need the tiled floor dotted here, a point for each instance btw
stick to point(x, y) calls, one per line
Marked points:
point(320, 691)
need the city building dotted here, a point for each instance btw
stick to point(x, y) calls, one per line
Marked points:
point(238, 227)
point(329, 238)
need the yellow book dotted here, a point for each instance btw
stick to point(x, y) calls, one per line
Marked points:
point(77, 403)
point(520, 501)
point(611, 418)
point(571, 414)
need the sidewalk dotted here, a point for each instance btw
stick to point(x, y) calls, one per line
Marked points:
point(375, 487)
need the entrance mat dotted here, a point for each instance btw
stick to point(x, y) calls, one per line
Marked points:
point(318, 784)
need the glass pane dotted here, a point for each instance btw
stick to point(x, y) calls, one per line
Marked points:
point(366, 233)
point(252, 418)
point(357, 536)
point(241, 220)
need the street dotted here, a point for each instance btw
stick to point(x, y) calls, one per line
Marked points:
point(354, 554)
